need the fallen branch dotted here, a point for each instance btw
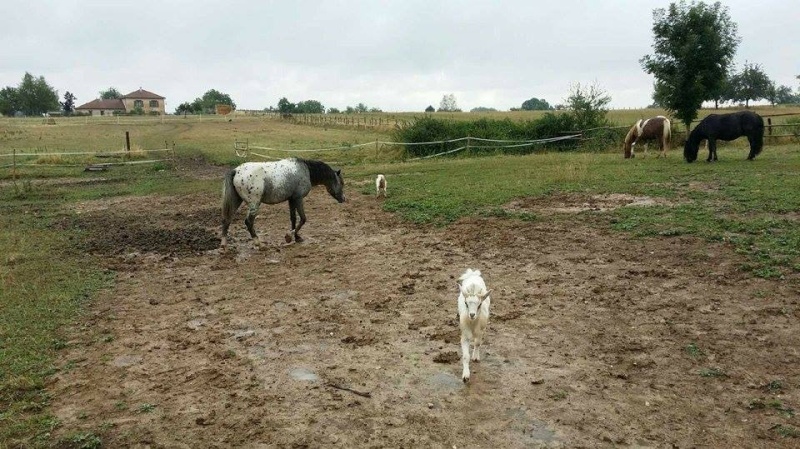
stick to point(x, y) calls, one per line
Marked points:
point(366, 394)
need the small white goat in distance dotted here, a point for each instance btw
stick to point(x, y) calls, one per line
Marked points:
point(380, 186)
point(473, 316)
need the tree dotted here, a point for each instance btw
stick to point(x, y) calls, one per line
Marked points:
point(208, 102)
point(483, 109)
point(285, 106)
point(9, 101)
point(448, 104)
point(694, 45)
point(588, 106)
point(783, 95)
point(185, 108)
point(35, 96)
point(750, 84)
point(536, 104)
point(68, 105)
point(724, 92)
point(310, 107)
point(334, 111)
point(430, 108)
point(110, 94)
point(361, 108)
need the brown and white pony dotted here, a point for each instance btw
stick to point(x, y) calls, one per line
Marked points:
point(656, 128)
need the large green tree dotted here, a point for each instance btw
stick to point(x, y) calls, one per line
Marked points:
point(536, 104)
point(285, 106)
point(208, 102)
point(751, 84)
point(694, 45)
point(110, 94)
point(9, 101)
point(35, 96)
point(310, 107)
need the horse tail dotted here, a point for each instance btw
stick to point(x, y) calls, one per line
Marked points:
point(230, 197)
point(758, 138)
point(667, 136)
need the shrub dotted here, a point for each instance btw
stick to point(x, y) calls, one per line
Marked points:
point(795, 129)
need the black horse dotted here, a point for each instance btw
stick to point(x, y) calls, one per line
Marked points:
point(725, 127)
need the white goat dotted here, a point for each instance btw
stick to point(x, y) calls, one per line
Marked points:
point(473, 316)
point(380, 186)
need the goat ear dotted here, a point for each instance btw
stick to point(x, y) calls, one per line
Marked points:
point(485, 295)
point(339, 172)
point(458, 284)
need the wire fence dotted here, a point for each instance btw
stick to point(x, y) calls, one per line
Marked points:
point(243, 149)
point(466, 144)
point(60, 159)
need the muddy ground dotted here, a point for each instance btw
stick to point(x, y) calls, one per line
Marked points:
point(349, 339)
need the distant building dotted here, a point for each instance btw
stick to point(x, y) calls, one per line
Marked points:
point(149, 103)
point(102, 107)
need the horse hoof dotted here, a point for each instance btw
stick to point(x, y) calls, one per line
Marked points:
point(298, 239)
point(288, 238)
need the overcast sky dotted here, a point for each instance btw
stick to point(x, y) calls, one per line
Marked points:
point(395, 55)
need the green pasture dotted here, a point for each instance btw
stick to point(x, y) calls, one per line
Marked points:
point(46, 281)
point(214, 137)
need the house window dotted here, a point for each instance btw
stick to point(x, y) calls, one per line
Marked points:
point(102, 112)
point(138, 103)
point(153, 103)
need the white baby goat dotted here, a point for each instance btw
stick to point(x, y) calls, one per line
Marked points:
point(380, 186)
point(473, 316)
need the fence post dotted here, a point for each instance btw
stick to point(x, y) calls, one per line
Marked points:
point(468, 150)
point(14, 165)
point(173, 151)
point(769, 123)
point(127, 142)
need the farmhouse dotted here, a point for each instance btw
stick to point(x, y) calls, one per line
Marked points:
point(148, 102)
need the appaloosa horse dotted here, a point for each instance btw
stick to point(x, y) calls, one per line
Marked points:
point(272, 183)
point(656, 128)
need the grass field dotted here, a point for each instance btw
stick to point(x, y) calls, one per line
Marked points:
point(214, 136)
point(46, 280)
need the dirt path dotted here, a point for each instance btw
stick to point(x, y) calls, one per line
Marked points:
point(594, 339)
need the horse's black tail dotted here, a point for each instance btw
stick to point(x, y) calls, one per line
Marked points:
point(230, 200)
point(757, 141)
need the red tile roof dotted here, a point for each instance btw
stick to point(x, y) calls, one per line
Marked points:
point(142, 94)
point(114, 103)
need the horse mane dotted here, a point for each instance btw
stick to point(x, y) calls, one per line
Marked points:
point(627, 143)
point(319, 172)
point(632, 132)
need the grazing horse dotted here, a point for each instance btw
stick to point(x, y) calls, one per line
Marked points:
point(725, 127)
point(656, 128)
point(272, 183)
